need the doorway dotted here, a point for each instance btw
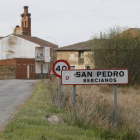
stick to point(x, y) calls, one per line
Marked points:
point(28, 71)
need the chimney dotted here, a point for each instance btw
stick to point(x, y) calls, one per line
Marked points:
point(25, 9)
point(25, 28)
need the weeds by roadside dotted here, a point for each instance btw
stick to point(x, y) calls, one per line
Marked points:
point(94, 114)
point(31, 123)
point(95, 108)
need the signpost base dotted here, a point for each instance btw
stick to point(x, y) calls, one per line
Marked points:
point(115, 106)
point(74, 102)
point(59, 94)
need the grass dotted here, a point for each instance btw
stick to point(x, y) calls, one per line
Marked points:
point(30, 122)
point(95, 109)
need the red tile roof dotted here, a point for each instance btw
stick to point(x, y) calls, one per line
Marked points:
point(136, 30)
point(133, 31)
point(37, 40)
point(74, 47)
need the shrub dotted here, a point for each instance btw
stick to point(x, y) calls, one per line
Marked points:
point(118, 48)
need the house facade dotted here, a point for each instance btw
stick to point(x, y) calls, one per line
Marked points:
point(30, 57)
point(78, 55)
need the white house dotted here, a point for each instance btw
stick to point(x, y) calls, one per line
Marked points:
point(36, 54)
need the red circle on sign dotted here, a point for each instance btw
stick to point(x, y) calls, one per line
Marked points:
point(57, 61)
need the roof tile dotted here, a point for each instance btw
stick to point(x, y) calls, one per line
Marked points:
point(37, 40)
point(78, 46)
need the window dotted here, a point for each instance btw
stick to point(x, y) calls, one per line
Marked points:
point(87, 67)
point(32, 68)
point(72, 67)
point(81, 54)
point(8, 56)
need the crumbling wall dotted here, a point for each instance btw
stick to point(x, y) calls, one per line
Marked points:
point(7, 72)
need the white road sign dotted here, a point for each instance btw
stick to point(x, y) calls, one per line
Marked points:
point(60, 65)
point(94, 77)
point(51, 72)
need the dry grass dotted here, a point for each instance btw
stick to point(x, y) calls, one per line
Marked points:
point(30, 122)
point(95, 105)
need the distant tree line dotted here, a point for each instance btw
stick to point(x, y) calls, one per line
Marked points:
point(117, 48)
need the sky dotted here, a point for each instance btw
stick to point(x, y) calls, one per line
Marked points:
point(66, 22)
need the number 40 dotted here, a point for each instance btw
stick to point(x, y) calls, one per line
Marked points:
point(59, 69)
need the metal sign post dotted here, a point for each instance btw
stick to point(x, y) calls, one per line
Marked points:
point(57, 67)
point(95, 77)
point(59, 94)
point(115, 106)
point(74, 101)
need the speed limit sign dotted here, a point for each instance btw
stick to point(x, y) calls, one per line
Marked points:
point(60, 65)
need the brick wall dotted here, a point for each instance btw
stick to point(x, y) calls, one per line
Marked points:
point(21, 68)
point(9, 62)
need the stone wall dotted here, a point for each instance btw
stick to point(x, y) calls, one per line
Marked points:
point(7, 72)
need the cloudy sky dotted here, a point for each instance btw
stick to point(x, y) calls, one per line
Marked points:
point(66, 22)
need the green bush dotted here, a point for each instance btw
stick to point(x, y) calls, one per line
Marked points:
point(118, 48)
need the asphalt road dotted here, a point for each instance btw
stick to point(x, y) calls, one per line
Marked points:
point(13, 93)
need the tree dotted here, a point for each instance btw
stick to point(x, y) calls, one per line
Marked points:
point(118, 48)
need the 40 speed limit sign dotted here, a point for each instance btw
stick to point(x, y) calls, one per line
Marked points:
point(60, 65)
